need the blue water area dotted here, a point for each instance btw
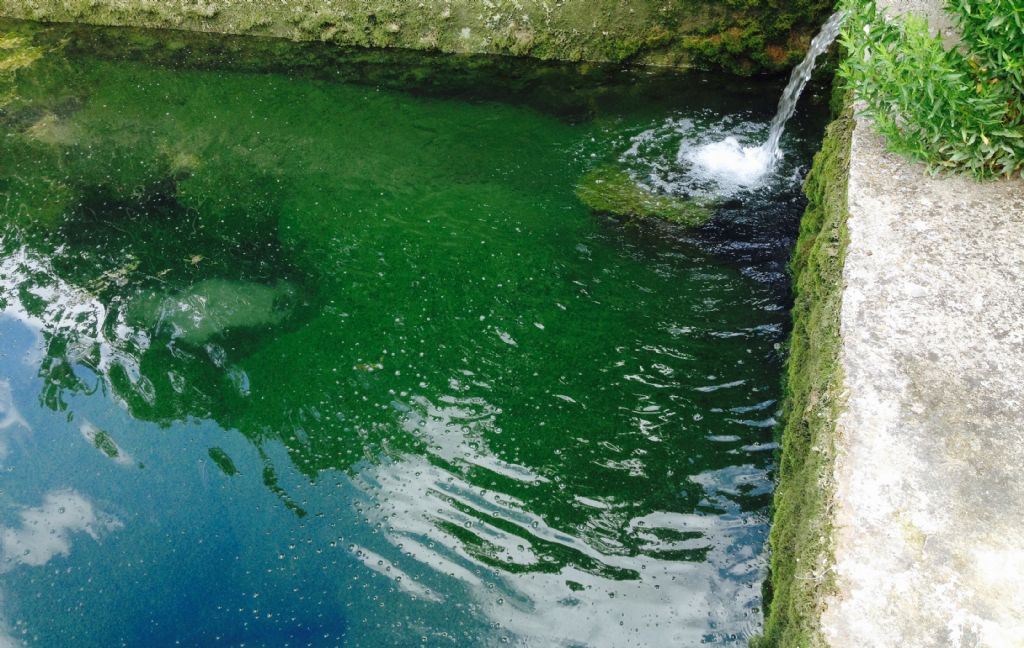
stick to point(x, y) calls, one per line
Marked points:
point(307, 347)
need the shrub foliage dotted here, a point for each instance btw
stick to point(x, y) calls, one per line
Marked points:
point(957, 108)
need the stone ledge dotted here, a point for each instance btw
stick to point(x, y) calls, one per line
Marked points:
point(747, 37)
point(929, 525)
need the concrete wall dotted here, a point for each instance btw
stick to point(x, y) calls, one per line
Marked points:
point(739, 35)
point(898, 518)
point(928, 512)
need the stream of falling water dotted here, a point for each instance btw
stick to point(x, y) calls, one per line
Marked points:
point(747, 165)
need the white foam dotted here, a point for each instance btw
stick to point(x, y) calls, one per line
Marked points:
point(732, 163)
point(703, 156)
point(714, 157)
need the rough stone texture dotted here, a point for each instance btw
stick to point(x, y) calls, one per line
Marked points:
point(929, 508)
point(743, 36)
point(938, 19)
point(929, 9)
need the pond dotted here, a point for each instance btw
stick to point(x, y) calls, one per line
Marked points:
point(302, 346)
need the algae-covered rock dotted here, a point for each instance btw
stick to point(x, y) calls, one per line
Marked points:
point(17, 52)
point(610, 190)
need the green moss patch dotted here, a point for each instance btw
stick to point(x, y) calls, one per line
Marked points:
point(801, 528)
point(744, 36)
point(610, 190)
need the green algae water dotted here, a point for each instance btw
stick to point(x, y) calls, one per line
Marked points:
point(302, 347)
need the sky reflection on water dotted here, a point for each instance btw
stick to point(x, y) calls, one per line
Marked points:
point(300, 362)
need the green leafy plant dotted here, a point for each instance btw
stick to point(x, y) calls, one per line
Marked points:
point(958, 108)
point(994, 30)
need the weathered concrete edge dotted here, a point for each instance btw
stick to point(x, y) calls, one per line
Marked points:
point(914, 437)
point(928, 538)
point(922, 504)
point(742, 38)
point(928, 541)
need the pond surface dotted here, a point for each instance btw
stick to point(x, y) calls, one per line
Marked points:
point(301, 347)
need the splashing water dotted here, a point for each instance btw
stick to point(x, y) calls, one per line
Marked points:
point(744, 165)
point(704, 155)
point(747, 165)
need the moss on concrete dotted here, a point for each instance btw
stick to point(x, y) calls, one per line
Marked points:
point(801, 529)
point(610, 190)
point(739, 35)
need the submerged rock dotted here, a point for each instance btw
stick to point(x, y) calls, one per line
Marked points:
point(212, 307)
point(610, 190)
point(50, 129)
point(16, 52)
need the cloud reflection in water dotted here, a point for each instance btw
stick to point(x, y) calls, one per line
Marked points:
point(617, 580)
point(44, 533)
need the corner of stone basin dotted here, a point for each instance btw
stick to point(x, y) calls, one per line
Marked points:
point(927, 542)
point(612, 191)
point(898, 518)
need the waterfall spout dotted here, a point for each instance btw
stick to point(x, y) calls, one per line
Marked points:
point(733, 164)
point(798, 81)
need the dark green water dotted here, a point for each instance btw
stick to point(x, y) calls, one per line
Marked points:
point(302, 348)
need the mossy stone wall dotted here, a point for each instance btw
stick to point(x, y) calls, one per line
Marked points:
point(801, 525)
point(739, 35)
